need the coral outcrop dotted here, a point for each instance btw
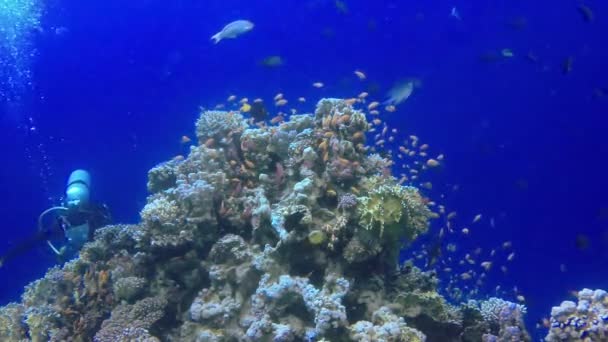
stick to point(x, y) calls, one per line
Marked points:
point(287, 232)
point(586, 320)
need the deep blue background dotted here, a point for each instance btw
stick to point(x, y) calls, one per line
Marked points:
point(525, 142)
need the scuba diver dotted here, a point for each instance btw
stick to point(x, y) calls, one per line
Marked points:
point(69, 225)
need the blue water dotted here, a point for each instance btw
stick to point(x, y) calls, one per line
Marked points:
point(114, 86)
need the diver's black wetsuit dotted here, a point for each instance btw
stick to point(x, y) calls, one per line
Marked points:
point(95, 215)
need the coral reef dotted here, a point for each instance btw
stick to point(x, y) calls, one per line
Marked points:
point(504, 318)
point(586, 320)
point(285, 232)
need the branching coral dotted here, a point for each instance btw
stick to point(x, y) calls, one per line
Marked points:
point(505, 319)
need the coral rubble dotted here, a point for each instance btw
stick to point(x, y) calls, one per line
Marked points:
point(288, 232)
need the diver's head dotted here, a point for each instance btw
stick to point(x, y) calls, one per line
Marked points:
point(77, 191)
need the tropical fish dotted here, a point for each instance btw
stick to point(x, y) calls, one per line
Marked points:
point(432, 163)
point(233, 30)
point(258, 111)
point(532, 57)
point(341, 6)
point(434, 252)
point(486, 265)
point(399, 93)
point(567, 65)
point(245, 108)
point(360, 75)
point(586, 13)
point(272, 61)
point(582, 242)
point(506, 52)
point(454, 13)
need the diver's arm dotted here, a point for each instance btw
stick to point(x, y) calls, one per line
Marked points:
point(28, 244)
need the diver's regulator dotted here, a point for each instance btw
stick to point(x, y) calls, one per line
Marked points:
point(77, 196)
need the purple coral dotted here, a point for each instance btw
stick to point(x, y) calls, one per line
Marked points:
point(341, 170)
point(129, 319)
point(347, 201)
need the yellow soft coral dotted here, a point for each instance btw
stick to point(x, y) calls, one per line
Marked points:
point(398, 210)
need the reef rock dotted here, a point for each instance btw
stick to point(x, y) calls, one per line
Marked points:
point(586, 320)
point(288, 232)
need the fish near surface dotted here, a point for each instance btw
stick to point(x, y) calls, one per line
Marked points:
point(233, 30)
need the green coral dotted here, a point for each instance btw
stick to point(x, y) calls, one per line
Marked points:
point(42, 322)
point(11, 329)
point(393, 210)
point(429, 303)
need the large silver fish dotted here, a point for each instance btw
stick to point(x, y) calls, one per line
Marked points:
point(233, 30)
